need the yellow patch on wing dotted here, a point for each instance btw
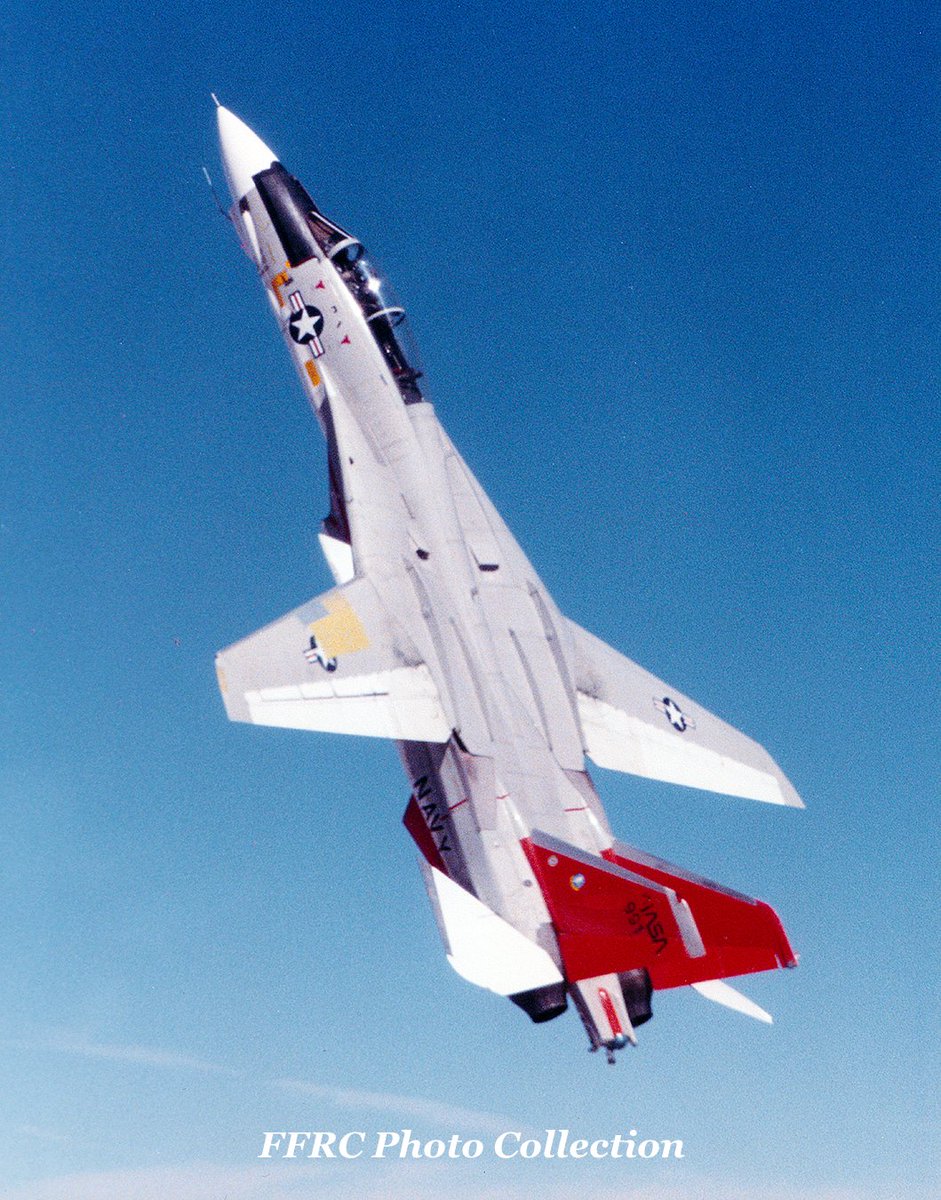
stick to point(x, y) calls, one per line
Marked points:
point(341, 631)
point(220, 675)
point(312, 372)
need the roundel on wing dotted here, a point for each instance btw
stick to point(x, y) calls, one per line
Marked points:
point(680, 720)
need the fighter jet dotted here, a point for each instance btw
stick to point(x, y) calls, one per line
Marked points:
point(440, 635)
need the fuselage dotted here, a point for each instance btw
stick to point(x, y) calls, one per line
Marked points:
point(417, 519)
point(439, 631)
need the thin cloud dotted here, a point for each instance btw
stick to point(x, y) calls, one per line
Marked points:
point(151, 1056)
point(398, 1181)
point(438, 1113)
point(44, 1135)
point(196, 1181)
point(446, 1116)
point(259, 1181)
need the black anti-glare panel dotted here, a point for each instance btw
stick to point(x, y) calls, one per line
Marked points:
point(288, 204)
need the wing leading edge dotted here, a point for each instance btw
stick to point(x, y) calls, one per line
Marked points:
point(634, 722)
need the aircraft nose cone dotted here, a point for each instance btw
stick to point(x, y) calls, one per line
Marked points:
point(244, 154)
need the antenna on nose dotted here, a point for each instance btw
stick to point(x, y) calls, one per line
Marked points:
point(212, 188)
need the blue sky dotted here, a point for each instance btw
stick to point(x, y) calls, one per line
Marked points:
point(674, 274)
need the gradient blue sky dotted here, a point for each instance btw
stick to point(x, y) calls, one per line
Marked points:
point(674, 273)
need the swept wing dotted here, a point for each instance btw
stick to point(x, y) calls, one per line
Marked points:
point(339, 664)
point(634, 722)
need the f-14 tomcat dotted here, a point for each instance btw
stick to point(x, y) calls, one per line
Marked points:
point(440, 635)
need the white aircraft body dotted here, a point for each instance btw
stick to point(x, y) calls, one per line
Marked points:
point(440, 635)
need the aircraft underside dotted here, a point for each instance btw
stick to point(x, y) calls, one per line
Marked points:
point(620, 924)
point(440, 635)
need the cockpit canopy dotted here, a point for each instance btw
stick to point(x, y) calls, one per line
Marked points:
point(303, 231)
point(381, 307)
point(383, 312)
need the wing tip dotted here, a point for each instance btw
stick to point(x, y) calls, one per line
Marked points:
point(789, 796)
point(788, 799)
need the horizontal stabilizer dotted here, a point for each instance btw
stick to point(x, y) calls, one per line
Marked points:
point(609, 919)
point(740, 934)
point(627, 910)
point(482, 947)
point(634, 722)
point(720, 992)
point(338, 664)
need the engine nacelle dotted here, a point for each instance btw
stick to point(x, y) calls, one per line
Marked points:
point(544, 1003)
point(637, 991)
